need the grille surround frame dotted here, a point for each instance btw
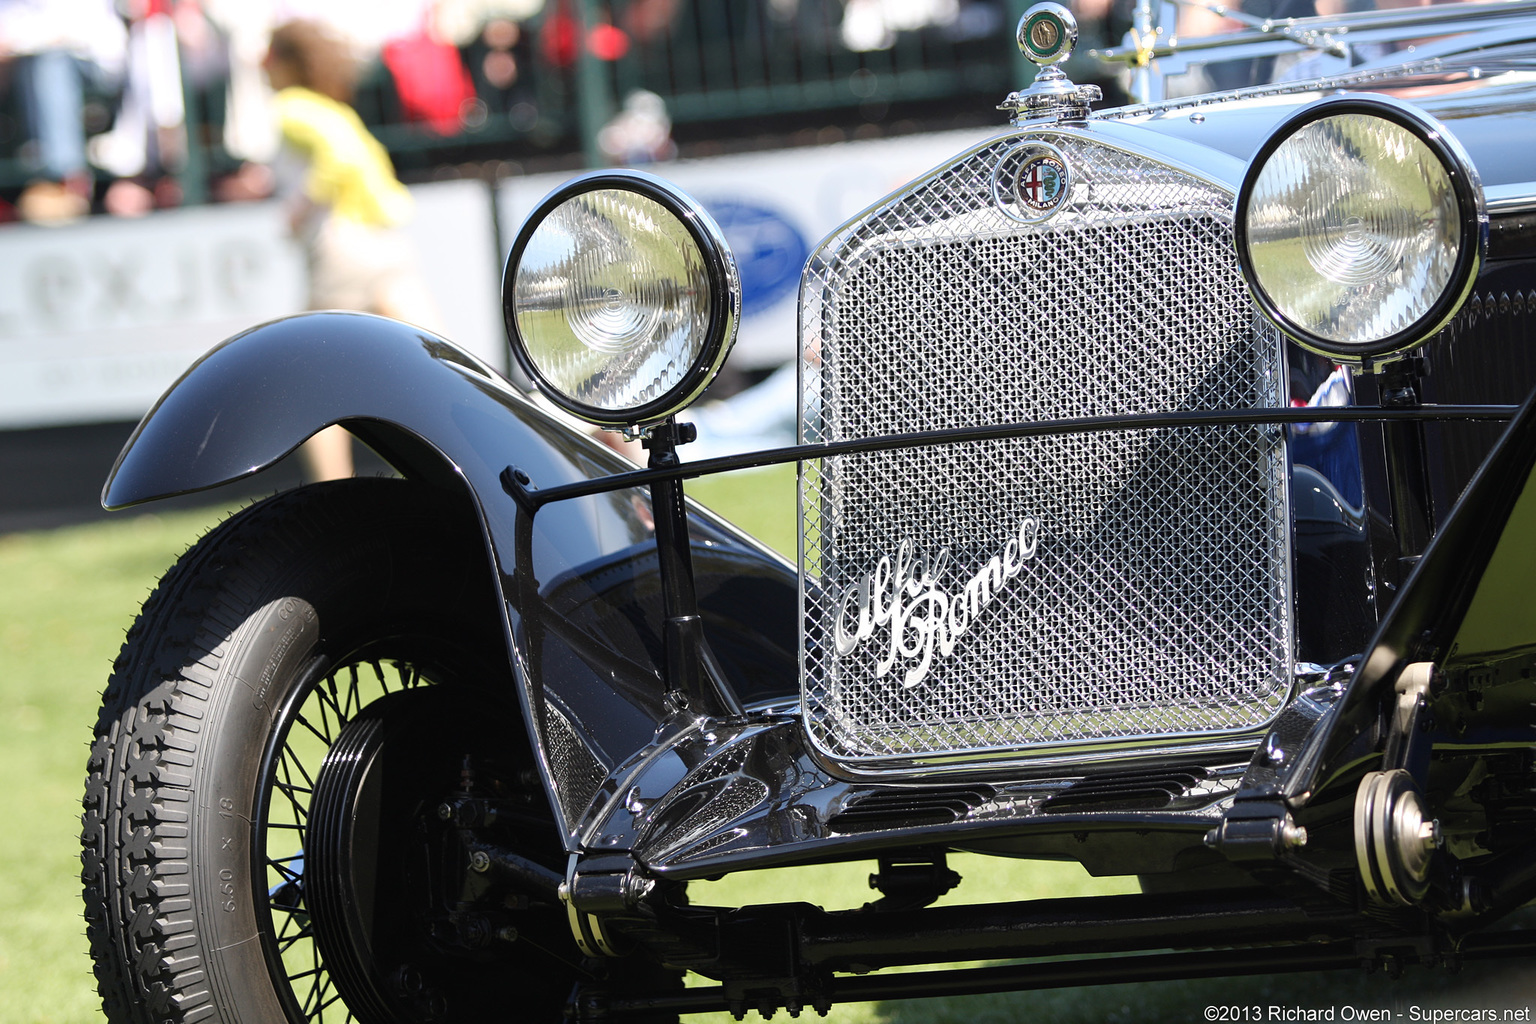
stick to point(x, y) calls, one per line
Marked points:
point(938, 750)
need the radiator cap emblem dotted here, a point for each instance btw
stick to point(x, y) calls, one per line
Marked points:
point(1047, 33)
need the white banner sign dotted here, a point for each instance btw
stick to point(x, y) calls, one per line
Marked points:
point(98, 318)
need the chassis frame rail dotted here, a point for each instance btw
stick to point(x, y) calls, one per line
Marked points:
point(1048, 974)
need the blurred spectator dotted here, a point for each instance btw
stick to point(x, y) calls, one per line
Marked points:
point(1099, 21)
point(873, 24)
point(500, 58)
point(363, 26)
point(560, 37)
point(641, 133)
point(460, 21)
point(56, 47)
point(647, 21)
point(430, 79)
point(344, 202)
point(500, 67)
point(147, 146)
point(250, 134)
point(615, 30)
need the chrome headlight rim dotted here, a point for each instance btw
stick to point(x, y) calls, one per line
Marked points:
point(724, 291)
point(1472, 218)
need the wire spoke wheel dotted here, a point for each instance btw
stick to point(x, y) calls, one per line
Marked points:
point(282, 838)
point(262, 838)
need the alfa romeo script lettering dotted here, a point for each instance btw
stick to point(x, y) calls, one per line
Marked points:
point(903, 598)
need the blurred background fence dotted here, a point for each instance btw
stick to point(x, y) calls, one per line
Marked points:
point(801, 112)
point(507, 84)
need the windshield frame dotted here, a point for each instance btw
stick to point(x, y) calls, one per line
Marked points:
point(1155, 55)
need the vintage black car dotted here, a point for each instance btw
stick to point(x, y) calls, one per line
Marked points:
point(1164, 507)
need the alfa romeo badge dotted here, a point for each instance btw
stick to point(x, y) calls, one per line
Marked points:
point(1042, 183)
point(1031, 181)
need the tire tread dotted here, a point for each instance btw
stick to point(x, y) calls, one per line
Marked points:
point(140, 922)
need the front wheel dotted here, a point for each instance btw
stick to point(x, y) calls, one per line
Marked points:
point(306, 732)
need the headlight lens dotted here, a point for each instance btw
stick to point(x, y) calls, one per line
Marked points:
point(621, 298)
point(1358, 230)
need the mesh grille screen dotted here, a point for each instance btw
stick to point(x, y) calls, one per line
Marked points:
point(1154, 602)
point(581, 775)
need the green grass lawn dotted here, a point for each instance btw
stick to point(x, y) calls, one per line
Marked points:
point(66, 598)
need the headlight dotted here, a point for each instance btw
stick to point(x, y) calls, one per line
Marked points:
point(621, 298)
point(1360, 228)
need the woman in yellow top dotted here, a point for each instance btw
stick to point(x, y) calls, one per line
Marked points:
point(344, 202)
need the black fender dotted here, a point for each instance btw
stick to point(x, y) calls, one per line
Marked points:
point(577, 583)
point(1460, 640)
point(1442, 700)
point(1466, 609)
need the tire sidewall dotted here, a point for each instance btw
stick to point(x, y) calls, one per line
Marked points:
point(270, 661)
point(385, 584)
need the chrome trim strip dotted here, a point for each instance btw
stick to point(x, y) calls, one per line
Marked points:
point(1508, 200)
point(1353, 80)
point(980, 766)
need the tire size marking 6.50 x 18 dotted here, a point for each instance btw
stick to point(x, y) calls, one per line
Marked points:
point(227, 843)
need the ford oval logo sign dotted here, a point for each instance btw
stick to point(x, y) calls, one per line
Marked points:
point(770, 251)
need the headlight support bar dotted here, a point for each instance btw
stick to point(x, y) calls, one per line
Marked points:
point(530, 497)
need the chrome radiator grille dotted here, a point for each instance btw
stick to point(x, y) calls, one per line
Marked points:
point(1067, 590)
